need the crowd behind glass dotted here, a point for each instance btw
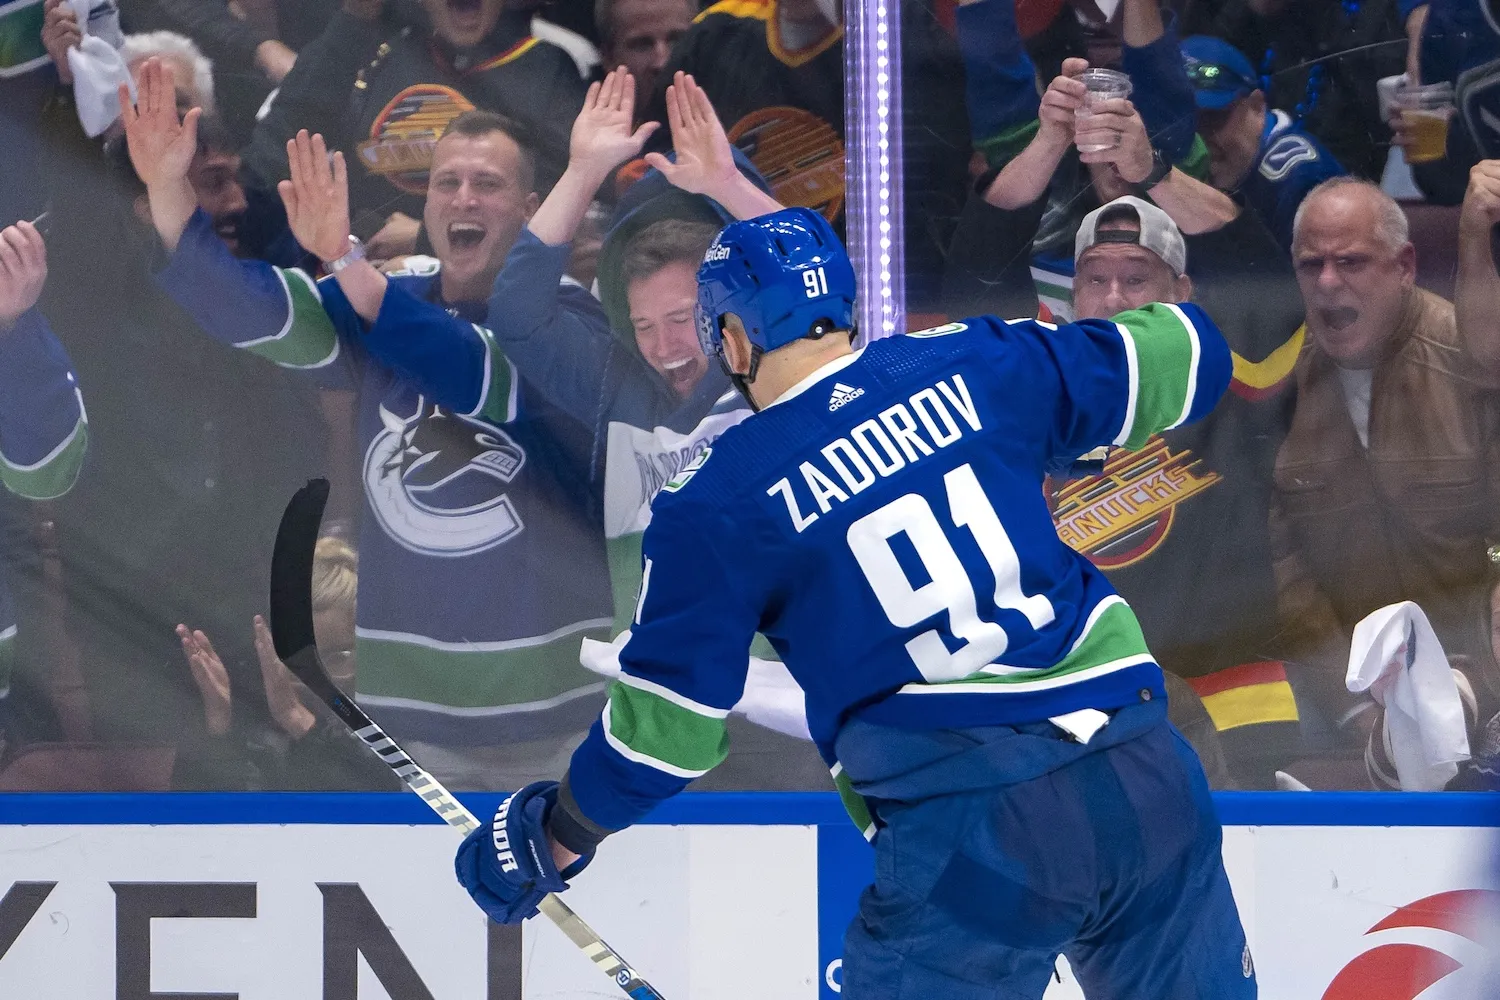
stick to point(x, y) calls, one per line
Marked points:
point(500, 386)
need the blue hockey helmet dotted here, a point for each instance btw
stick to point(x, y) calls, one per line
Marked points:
point(785, 276)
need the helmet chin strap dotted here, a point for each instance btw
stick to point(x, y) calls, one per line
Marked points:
point(742, 382)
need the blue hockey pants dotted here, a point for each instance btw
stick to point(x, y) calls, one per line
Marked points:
point(1112, 859)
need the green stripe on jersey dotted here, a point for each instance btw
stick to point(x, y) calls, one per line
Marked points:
point(1115, 641)
point(21, 48)
point(1164, 370)
point(662, 732)
point(1001, 148)
point(498, 403)
point(854, 803)
point(474, 678)
point(52, 476)
point(309, 339)
point(1195, 163)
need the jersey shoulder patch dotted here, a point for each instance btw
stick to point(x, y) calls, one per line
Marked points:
point(940, 331)
point(690, 470)
point(1284, 154)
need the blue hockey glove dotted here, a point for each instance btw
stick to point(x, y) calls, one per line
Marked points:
point(507, 866)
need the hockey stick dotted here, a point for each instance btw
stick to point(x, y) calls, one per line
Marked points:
point(292, 633)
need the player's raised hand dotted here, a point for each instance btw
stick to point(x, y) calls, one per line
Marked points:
point(210, 677)
point(705, 161)
point(317, 197)
point(604, 135)
point(162, 145)
point(23, 271)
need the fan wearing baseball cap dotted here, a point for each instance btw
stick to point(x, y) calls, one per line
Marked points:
point(1128, 253)
point(1258, 155)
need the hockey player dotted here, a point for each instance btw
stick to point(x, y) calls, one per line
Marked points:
point(43, 429)
point(986, 702)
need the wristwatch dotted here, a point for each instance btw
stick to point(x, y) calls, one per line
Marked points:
point(355, 252)
point(1160, 168)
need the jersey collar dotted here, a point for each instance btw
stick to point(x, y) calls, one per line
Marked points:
point(836, 365)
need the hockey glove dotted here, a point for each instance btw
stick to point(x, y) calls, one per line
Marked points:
point(507, 866)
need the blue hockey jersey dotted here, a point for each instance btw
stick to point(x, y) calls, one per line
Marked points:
point(481, 559)
point(883, 525)
point(1291, 162)
point(43, 435)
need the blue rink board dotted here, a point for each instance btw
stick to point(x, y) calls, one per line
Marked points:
point(723, 808)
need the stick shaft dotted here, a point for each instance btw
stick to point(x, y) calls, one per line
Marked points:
point(293, 635)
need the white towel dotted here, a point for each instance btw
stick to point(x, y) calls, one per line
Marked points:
point(96, 65)
point(771, 699)
point(1396, 657)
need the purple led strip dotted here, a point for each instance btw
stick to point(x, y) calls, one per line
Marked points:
point(872, 164)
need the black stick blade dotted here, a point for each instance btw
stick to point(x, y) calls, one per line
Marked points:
point(291, 571)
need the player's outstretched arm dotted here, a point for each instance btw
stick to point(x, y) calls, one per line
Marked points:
point(705, 162)
point(1143, 372)
point(602, 139)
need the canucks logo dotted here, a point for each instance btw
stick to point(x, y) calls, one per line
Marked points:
point(406, 132)
point(1125, 513)
point(436, 481)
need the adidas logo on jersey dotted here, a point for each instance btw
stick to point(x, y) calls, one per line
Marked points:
point(843, 394)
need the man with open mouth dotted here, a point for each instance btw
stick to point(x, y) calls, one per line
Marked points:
point(1384, 484)
point(490, 497)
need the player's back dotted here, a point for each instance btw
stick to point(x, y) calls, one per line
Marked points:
point(888, 522)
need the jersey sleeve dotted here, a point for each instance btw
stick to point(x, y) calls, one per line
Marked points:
point(682, 671)
point(43, 426)
point(557, 334)
point(276, 313)
point(1124, 379)
point(446, 358)
point(999, 80)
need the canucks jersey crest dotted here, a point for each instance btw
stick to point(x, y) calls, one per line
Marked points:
point(436, 481)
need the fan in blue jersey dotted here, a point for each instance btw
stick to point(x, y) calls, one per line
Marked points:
point(986, 702)
point(43, 428)
point(1259, 154)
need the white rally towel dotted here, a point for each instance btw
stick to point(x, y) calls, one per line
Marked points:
point(771, 699)
point(98, 70)
point(1396, 657)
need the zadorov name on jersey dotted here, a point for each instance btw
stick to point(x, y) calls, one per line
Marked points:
point(880, 447)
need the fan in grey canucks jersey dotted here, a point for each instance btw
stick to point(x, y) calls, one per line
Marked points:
point(987, 703)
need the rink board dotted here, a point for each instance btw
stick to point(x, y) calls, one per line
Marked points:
point(719, 897)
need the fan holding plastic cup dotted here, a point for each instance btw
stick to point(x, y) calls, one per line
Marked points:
point(1101, 85)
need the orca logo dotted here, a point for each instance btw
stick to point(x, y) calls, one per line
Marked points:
point(435, 481)
point(1284, 154)
point(1404, 970)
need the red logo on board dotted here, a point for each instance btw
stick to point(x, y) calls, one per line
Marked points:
point(1401, 971)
